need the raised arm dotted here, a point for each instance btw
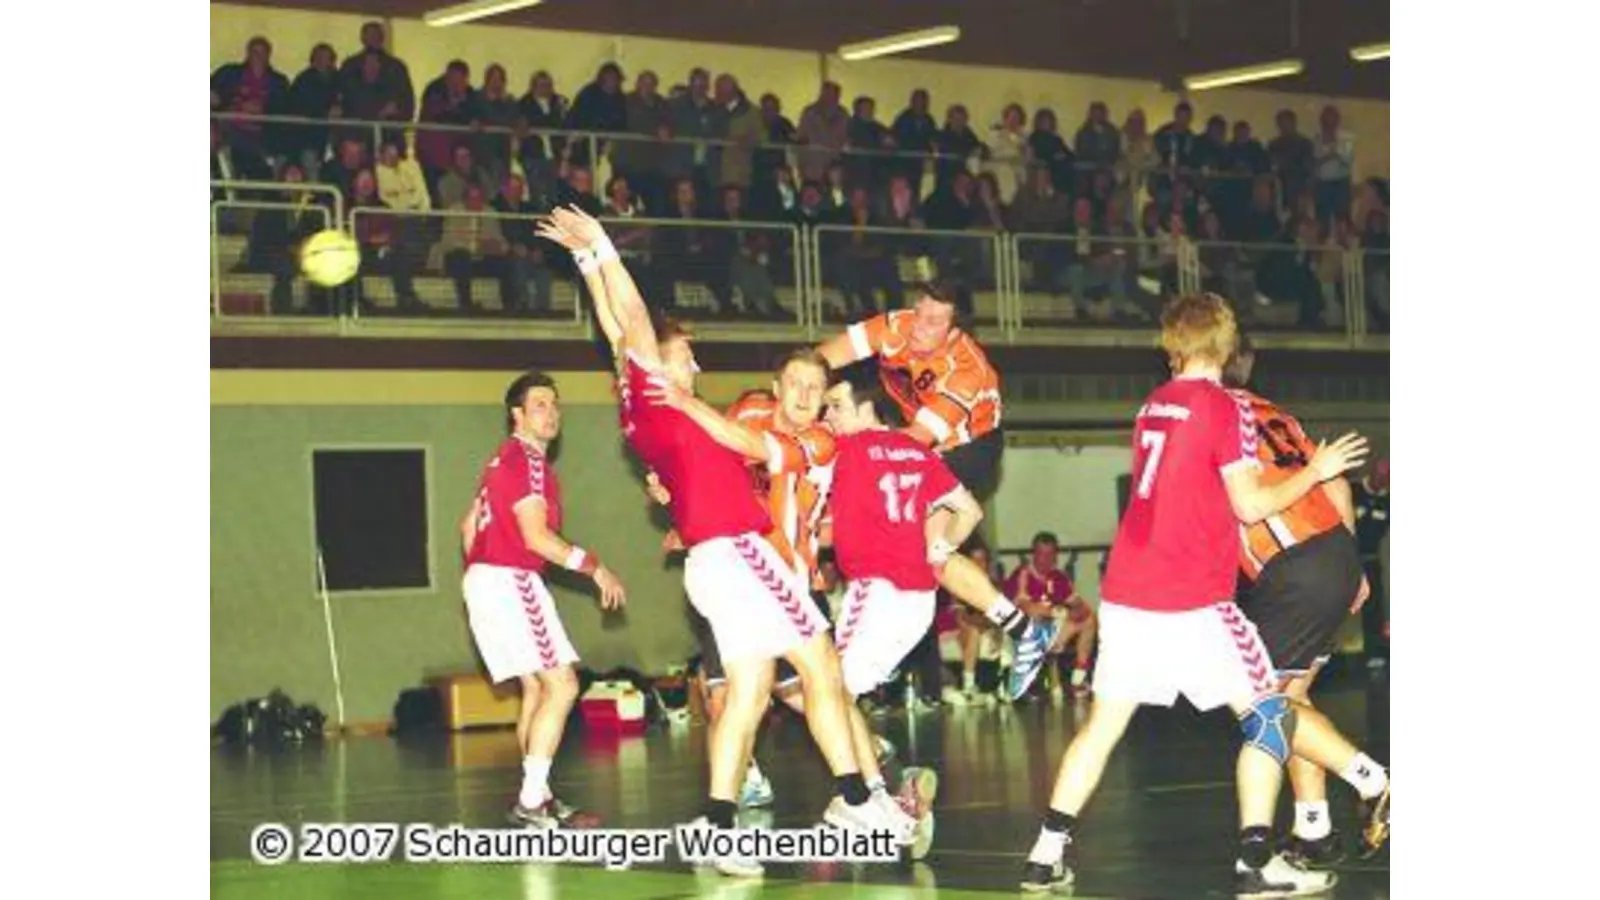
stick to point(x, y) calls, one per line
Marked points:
point(1253, 501)
point(741, 439)
point(855, 343)
point(613, 286)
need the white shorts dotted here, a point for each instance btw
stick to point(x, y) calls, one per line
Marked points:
point(757, 606)
point(514, 622)
point(878, 627)
point(1211, 655)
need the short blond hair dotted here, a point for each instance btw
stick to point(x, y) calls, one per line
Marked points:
point(1198, 328)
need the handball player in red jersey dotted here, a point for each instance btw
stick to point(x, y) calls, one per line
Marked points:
point(758, 607)
point(508, 535)
point(1168, 621)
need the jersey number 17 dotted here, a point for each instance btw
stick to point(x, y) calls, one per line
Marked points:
point(900, 495)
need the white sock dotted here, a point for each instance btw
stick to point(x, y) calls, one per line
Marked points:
point(535, 780)
point(753, 774)
point(1048, 848)
point(1001, 612)
point(1367, 777)
point(969, 681)
point(877, 784)
point(1311, 820)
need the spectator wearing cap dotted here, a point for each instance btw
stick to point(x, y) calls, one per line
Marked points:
point(447, 100)
point(600, 106)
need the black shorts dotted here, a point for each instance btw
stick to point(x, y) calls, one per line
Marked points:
point(711, 660)
point(976, 464)
point(1302, 598)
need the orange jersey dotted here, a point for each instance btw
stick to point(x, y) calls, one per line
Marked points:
point(794, 482)
point(952, 391)
point(1283, 450)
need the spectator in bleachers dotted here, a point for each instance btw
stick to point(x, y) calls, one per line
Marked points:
point(365, 98)
point(1008, 151)
point(687, 253)
point(475, 245)
point(811, 209)
point(600, 106)
point(544, 113)
point(957, 143)
point(341, 171)
point(314, 95)
point(988, 216)
point(1375, 239)
point(401, 188)
point(1138, 157)
point(1158, 247)
point(694, 119)
point(1042, 209)
point(1244, 162)
point(1175, 147)
point(1047, 148)
point(747, 253)
point(774, 195)
point(1098, 143)
point(824, 130)
point(779, 133)
point(1100, 191)
point(1210, 158)
point(914, 135)
point(447, 100)
point(641, 160)
point(1260, 223)
point(1093, 264)
point(632, 241)
point(275, 237)
point(901, 210)
point(577, 189)
point(868, 142)
point(1292, 155)
point(497, 112)
point(1334, 156)
point(464, 173)
point(742, 127)
point(949, 208)
point(380, 251)
point(866, 264)
point(1222, 269)
point(835, 192)
point(1121, 235)
point(252, 87)
point(527, 275)
point(396, 98)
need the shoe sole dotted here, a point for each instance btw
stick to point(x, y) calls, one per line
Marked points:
point(1062, 884)
point(1333, 881)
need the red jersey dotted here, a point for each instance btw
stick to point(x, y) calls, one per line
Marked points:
point(1177, 546)
point(793, 483)
point(1052, 587)
point(710, 488)
point(517, 472)
point(884, 483)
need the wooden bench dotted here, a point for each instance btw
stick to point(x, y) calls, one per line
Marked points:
point(469, 700)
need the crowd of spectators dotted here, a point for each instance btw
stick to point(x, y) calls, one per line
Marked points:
point(1116, 199)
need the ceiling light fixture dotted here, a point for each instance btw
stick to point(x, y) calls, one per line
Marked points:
point(1262, 72)
point(1370, 52)
point(479, 9)
point(900, 43)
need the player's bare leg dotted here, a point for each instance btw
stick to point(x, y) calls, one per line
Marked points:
point(1084, 638)
point(1313, 841)
point(1319, 746)
point(828, 715)
point(748, 687)
point(540, 724)
point(967, 582)
point(1050, 862)
point(970, 636)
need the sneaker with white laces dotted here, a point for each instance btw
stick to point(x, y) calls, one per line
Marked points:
point(732, 866)
point(1030, 656)
point(868, 817)
point(1279, 878)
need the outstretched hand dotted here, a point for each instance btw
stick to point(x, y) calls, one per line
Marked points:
point(1339, 457)
point(553, 232)
point(612, 596)
point(579, 224)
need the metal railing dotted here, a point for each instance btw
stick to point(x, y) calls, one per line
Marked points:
point(263, 254)
point(1020, 287)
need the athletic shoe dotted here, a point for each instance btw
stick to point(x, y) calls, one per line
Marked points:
point(756, 793)
point(905, 825)
point(571, 816)
point(955, 697)
point(918, 788)
point(1279, 878)
point(1039, 878)
point(1322, 853)
point(869, 817)
point(1030, 656)
point(539, 818)
point(732, 866)
point(1375, 830)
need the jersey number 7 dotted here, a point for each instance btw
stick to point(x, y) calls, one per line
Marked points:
point(1152, 442)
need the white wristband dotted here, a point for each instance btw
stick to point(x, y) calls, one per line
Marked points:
point(940, 551)
point(576, 559)
point(604, 251)
point(587, 264)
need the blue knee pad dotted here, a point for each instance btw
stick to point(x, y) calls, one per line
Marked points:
point(1268, 726)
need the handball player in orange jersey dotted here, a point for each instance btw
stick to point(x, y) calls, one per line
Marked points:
point(1305, 581)
point(757, 606)
point(950, 394)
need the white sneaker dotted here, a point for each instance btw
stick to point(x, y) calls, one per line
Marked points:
point(905, 825)
point(1279, 878)
point(733, 866)
point(954, 697)
point(871, 816)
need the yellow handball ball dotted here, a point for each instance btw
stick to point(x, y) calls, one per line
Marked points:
point(330, 258)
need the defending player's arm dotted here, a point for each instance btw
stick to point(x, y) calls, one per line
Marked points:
point(540, 539)
point(859, 341)
point(1232, 433)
